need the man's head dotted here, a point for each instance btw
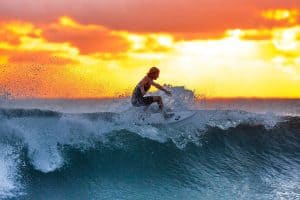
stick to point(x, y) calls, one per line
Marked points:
point(153, 73)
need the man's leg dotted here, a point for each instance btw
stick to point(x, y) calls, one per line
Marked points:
point(158, 100)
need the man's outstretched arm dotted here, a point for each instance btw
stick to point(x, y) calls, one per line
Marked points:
point(158, 86)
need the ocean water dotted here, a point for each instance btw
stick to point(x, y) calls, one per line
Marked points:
point(101, 149)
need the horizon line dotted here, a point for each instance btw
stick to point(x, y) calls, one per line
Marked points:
point(125, 97)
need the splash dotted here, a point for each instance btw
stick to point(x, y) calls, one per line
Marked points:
point(9, 173)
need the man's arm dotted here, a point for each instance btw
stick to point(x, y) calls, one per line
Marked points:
point(158, 86)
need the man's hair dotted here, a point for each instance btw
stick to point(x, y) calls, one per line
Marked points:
point(152, 71)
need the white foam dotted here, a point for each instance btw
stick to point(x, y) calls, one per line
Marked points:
point(9, 174)
point(192, 129)
point(44, 137)
point(182, 99)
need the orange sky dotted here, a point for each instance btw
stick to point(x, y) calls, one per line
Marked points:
point(79, 49)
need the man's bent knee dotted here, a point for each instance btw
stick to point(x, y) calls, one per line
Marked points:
point(157, 99)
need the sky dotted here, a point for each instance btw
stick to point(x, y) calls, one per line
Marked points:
point(100, 48)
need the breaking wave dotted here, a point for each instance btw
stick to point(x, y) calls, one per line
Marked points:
point(34, 140)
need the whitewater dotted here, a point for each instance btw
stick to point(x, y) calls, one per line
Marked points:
point(101, 149)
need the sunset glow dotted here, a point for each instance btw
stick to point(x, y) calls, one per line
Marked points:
point(73, 55)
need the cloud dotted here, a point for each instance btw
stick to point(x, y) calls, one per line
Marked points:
point(62, 38)
point(190, 16)
point(12, 31)
point(41, 58)
point(87, 38)
point(290, 16)
point(257, 34)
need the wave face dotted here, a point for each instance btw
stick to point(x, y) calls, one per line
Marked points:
point(216, 154)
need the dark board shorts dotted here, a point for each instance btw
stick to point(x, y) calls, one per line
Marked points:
point(139, 100)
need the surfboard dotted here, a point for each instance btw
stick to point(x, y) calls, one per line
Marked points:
point(158, 118)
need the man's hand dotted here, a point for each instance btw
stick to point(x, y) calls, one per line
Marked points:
point(168, 93)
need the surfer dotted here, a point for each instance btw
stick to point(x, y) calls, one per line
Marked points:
point(138, 96)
